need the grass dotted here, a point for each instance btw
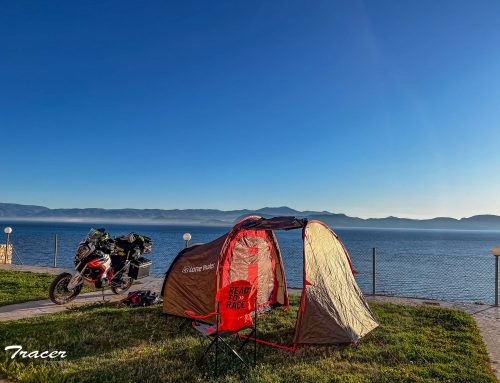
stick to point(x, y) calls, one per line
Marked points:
point(109, 344)
point(24, 286)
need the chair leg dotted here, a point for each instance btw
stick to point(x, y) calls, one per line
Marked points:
point(207, 348)
point(210, 345)
point(243, 344)
point(233, 351)
point(216, 340)
point(253, 335)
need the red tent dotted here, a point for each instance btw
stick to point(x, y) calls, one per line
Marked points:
point(333, 309)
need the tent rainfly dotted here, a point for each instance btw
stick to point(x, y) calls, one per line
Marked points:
point(333, 309)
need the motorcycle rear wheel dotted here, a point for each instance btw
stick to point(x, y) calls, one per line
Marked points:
point(59, 293)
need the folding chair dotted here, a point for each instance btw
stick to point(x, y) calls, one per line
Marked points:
point(235, 304)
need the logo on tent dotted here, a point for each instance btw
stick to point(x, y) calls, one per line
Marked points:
point(197, 269)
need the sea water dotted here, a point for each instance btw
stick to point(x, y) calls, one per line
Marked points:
point(437, 264)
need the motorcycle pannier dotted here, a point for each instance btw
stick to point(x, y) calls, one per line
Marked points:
point(139, 268)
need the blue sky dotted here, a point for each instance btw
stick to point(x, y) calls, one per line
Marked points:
point(371, 108)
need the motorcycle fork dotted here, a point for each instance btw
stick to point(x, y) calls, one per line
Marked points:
point(75, 280)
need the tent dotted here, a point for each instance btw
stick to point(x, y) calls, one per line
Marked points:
point(333, 309)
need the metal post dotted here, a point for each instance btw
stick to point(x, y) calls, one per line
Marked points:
point(55, 251)
point(496, 252)
point(7, 247)
point(186, 237)
point(7, 232)
point(496, 280)
point(374, 263)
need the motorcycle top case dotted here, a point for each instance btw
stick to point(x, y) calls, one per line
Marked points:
point(139, 268)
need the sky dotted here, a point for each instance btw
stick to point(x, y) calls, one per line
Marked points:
point(369, 108)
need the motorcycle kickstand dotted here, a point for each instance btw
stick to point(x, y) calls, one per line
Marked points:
point(102, 291)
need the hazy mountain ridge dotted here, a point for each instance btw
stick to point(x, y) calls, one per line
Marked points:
point(221, 217)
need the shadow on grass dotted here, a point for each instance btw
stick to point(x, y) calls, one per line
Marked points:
point(107, 344)
point(93, 330)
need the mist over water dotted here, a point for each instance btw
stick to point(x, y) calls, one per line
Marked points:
point(452, 265)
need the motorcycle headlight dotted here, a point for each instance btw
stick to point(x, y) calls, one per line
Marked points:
point(83, 251)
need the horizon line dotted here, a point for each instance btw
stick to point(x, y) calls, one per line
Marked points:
point(253, 210)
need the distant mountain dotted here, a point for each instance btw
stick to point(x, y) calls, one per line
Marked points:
point(213, 217)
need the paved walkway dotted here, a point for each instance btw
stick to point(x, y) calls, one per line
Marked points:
point(45, 307)
point(487, 317)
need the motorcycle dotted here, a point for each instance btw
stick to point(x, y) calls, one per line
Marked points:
point(103, 261)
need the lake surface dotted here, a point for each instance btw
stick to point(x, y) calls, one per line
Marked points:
point(451, 265)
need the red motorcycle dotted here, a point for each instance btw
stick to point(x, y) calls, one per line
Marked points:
point(102, 261)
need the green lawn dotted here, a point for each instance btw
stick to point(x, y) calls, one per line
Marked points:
point(23, 286)
point(109, 344)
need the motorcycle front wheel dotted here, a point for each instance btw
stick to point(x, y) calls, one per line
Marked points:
point(59, 292)
point(121, 286)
